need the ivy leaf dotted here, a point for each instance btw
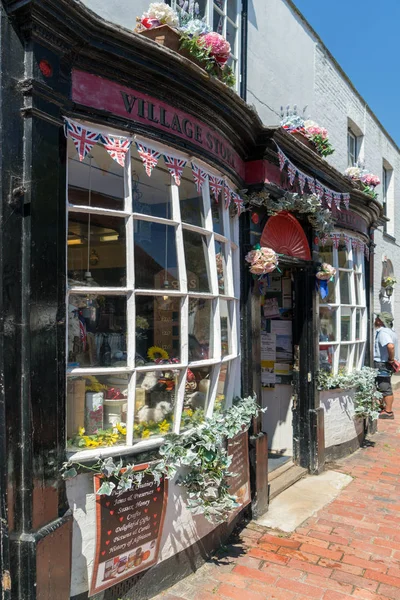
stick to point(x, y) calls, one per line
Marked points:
point(69, 473)
point(106, 488)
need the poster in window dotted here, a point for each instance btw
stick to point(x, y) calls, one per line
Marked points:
point(239, 485)
point(128, 531)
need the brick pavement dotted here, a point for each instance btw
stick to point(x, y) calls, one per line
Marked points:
point(349, 550)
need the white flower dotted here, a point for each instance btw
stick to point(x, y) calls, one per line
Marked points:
point(163, 13)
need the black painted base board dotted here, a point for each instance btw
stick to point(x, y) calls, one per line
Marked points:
point(341, 450)
point(148, 584)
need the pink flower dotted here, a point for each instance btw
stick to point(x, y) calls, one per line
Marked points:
point(262, 261)
point(370, 179)
point(219, 47)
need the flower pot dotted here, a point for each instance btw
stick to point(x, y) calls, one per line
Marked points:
point(164, 35)
point(302, 138)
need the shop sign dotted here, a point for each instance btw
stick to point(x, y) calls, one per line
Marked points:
point(239, 484)
point(103, 94)
point(128, 531)
point(350, 220)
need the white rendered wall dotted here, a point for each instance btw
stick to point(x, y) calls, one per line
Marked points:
point(341, 426)
point(120, 12)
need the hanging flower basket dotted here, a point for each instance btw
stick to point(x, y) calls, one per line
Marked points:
point(262, 261)
point(326, 272)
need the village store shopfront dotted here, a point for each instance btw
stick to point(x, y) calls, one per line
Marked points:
point(129, 309)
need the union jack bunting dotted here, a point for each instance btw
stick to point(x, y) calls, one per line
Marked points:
point(239, 202)
point(360, 246)
point(319, 189)
point(199, 177)
point(291, 172)
point(302, 180)
point(216, 186)
point(227, 195)
point(354, 243)
point(366, 251)
point(116, 147)
point(175, 166)
point(83, 139)
point(336, 199)
point(347, 241)
point(282, 159)
point(149, 157)
point(346, 200)
point(336, 239)
point(328, 197)
point(311, 184)
point(323, 239)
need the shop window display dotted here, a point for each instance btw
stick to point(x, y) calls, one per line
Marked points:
point(152, 301)
point(342, 314)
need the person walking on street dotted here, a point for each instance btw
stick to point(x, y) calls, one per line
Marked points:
point(385, 353)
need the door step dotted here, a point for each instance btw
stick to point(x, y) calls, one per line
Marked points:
point(284, 477)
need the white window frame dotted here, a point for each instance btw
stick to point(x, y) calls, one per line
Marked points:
point(352, 155)
point(232, 289)
point(356, 348)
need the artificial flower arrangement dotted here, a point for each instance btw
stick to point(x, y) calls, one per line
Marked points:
point(326, 272)
point(367, 182)
point(262, 261)
point(389, 281)
point(318, 136)
point(207, 47)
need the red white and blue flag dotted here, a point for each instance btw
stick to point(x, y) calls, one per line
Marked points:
point(175, 166)
point(199, 177)
point(216, 186)
point(149, 157)
point(291, 172)
point(83, 139)
point(117, 147)
point(239, 202)
point(227, 195)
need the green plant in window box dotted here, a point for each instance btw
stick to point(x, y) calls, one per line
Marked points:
point(366, 398)
point(102, 438)
point(201, 452)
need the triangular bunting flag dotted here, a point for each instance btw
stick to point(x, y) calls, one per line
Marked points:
point(336, 199)
point(175, 166)
point(302, 181)
point(239, 202)
point(149, 157)
point(347, 241)
point(336, 239)
point(354, 243)
point(282, 159)
point(227, 195)
point(291, 172)
point(199, 177)
point(319, 189)
point(117, 147)
point(346, 200)
point(311, 184)
point(328, 197)
point(83, 139)
point(216, 186)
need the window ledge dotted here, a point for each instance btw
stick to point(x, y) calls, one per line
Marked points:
point(389, 237)
point(83, 456)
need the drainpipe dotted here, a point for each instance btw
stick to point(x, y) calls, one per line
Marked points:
point(243, 50)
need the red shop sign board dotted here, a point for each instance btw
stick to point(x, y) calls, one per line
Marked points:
point(128, 531)
point(239, 485)
point(104, 94)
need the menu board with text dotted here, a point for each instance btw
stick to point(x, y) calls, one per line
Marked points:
point(128, 531)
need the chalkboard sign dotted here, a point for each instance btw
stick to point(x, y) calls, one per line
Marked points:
point(239, 485)
point(128, 531)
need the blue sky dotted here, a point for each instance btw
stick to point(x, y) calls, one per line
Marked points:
point(363, 37)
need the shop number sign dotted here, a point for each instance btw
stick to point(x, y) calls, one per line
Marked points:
point(128, 531)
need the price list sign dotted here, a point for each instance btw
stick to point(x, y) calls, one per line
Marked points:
point(239, 485)
point(128, 531)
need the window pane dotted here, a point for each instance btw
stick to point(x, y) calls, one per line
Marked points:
point(220, 399)
point(326, 253)
point(98, 249)
point(190, 200)
point(327, 319)
point(96, 181)
point(345, 324)
point(196, 399)
point(226, 325)
point(96, 331)
point(98, 406)
point(344, 281)
point(343, 357)
point(326, 357)
point(200, 329)
point(231, 34)
point(357, 289)
point(155, 256)
point(196, 258)
point(218, 22)
point(343, 256)
point(216, 209)
point(231, 8)
point(151, 195)
point(359, 327)
point(221, 266)
point(155, 397)
point(157, 328)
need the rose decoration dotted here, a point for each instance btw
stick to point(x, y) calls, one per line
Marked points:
point(326, 272)
point(262, 261)
point(158, 14)
point(218, 46)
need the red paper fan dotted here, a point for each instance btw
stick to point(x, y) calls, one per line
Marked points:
point(284, 234)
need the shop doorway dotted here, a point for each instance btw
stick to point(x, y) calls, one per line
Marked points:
point(287, 344)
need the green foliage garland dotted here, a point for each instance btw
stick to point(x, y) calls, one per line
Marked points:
point(366, 399)
point(309, 204)
point(202, 452)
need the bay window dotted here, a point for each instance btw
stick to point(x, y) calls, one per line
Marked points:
point(342, 314)
point(153, 290)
